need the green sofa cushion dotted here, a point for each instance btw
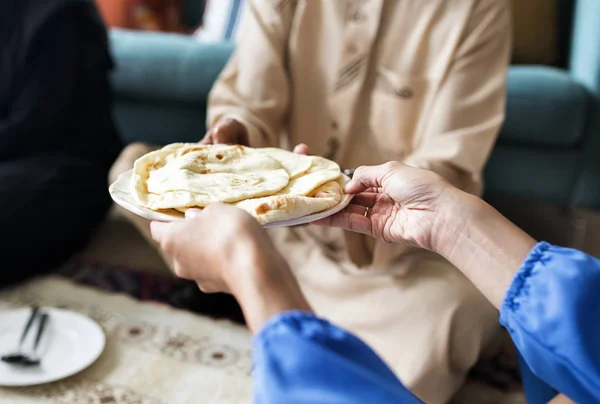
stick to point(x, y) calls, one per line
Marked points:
point(545, 107)
point(160, 123)
point(165, 67)
point(545, 175)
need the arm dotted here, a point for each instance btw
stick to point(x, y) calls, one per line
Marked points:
point(43, 89)
point(482, 243)
point(253, 88)
point(299, 357)
point(547, 296)
point(561, 399)
point(469, 108)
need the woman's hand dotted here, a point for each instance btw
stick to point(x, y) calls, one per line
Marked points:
point(419, 207)
point(227, 131)
point(224, 249)
point(394, 203)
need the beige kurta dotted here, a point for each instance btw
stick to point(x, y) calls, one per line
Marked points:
point(365, 82)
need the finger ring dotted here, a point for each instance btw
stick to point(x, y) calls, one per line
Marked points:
point(366, 212)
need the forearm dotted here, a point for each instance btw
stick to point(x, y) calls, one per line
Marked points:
point(266, 287)
point(561, 399)
point(483, 244)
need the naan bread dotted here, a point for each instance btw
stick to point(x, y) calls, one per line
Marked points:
point(295, 164)
point(270, 184)
point(278, 208)
point(306, 172)
point(191, 175)
point(320, 172)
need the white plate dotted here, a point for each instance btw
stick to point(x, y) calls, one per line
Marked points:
point(119, 191)
point(70, 343)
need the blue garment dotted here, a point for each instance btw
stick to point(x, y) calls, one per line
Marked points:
point(552, 311)
point(299, 358)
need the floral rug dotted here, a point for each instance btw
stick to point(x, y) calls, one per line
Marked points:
point(169, 343)
point(154, 354)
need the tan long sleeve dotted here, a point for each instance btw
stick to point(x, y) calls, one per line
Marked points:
point(254, 86)
point(467, 111)
point(469, 107)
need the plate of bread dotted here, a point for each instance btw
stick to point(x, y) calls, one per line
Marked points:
point(275, 186)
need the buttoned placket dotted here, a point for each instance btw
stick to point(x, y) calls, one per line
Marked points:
point(360, 31)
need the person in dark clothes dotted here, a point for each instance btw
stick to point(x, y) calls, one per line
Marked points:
point(57, 136)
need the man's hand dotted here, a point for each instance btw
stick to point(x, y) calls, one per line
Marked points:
point(224, 249)
point(301, 149)
point(227, 131)
point(214, 246)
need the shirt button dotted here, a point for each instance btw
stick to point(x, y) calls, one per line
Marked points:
point(351, 49)
point(406, 92)
point(355, 17)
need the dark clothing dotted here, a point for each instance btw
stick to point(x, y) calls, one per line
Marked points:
point(57, 136)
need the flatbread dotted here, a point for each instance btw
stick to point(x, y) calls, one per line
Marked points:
point(320, 172)
point(191, 175)
point(270, 184)
point(295, 164)
point(277, 208)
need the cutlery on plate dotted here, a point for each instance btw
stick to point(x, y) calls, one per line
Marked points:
point(20, 357)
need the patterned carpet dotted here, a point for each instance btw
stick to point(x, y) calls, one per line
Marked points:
point(499, 377)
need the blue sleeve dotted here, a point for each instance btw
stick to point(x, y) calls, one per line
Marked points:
point(552, 312)
point(299, 358)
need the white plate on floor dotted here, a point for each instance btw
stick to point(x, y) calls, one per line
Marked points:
point(119, 191)
point(70, 343)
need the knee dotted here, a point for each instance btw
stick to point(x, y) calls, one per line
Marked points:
point(473, 328)
point(128, 156)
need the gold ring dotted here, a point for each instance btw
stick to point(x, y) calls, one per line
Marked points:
point(366, 212)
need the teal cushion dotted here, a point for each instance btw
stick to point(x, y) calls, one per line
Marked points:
point(585, 49)
point(192, 12)
point(545, 107)
point(165, 67)
point(545, 175)
point(160, 123)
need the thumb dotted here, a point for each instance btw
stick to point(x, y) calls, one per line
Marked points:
point(193, 213)
point(301, 149)
point(160, 230)
point(366, 177)
point(225, 131)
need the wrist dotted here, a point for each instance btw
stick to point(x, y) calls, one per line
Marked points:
point(456, 210)
point(265, 286)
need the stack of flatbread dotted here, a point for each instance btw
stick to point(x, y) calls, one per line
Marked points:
point(270, 184)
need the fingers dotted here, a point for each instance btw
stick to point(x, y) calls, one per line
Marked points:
point(160, 231)
point(366, 177)
point(208, 138)
point(301, 149)
point(226, 131)
point(165, 233)
point(223, 133)
point(230, 131)
point(365, 199)
point(349, 219)
point(193, 213)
